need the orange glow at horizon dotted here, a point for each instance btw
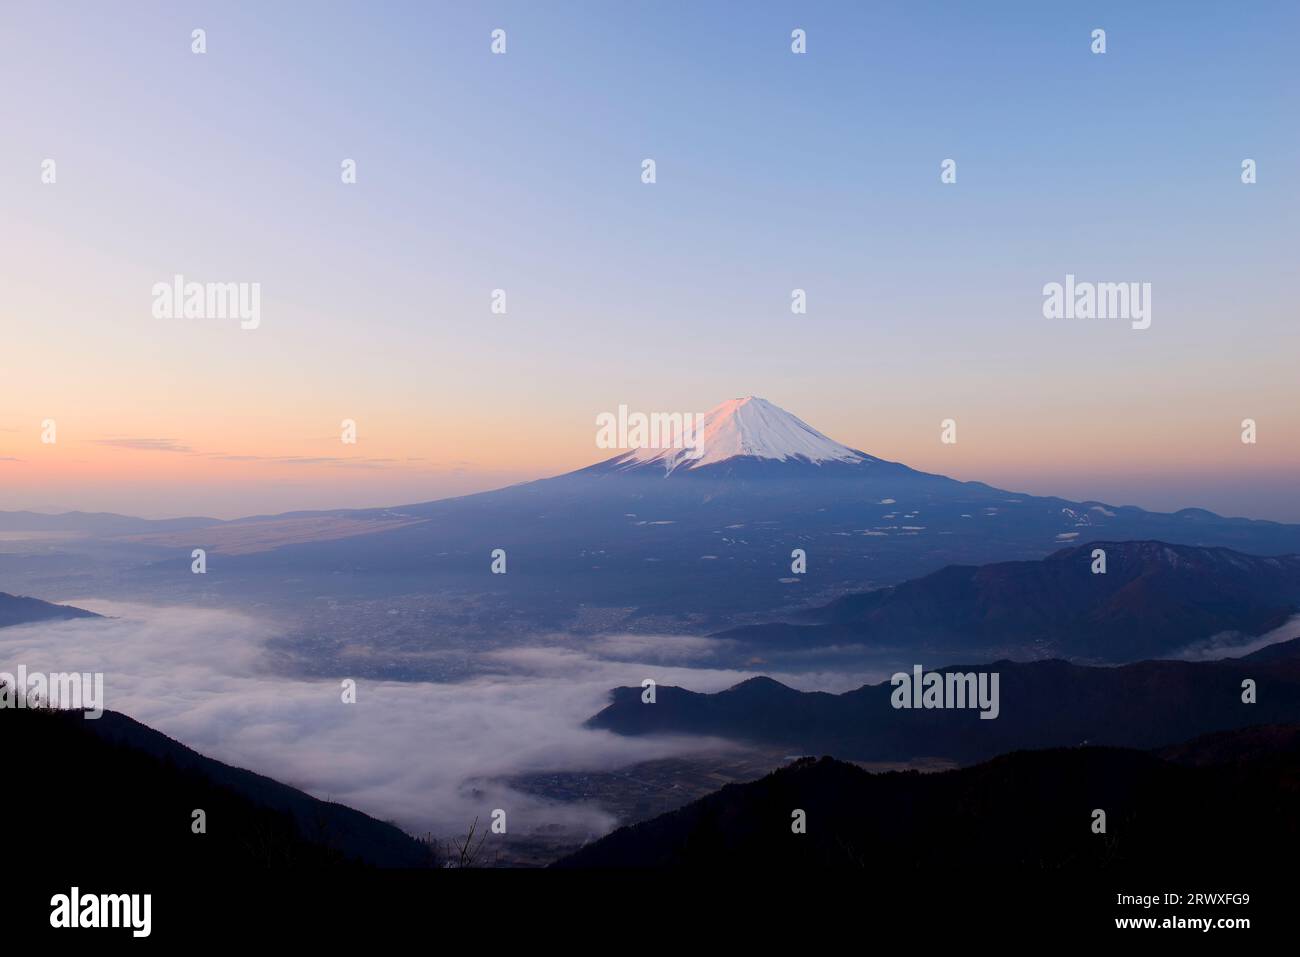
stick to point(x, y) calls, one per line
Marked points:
point(402, 458)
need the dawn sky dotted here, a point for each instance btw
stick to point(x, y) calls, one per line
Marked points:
point(522, 172)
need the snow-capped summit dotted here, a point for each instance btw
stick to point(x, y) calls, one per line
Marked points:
point(749, 427)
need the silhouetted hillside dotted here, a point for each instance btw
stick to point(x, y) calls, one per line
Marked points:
point(112, 792)
point(1042, 704)
point(1022, 813)
point(1265, 742)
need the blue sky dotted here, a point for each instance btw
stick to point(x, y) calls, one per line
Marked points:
point(775, 171)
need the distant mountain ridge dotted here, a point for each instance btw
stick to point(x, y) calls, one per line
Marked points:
point(1043, 704)
point(97, 523)
point(1153, 599)
point(694, 545)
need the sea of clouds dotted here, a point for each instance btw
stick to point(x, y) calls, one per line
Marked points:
point(425, 755)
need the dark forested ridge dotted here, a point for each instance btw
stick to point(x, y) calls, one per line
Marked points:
point(1042, 704)
point(112, 792)
point(1197, 811)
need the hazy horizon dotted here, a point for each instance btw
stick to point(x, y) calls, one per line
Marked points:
point(1268, 497)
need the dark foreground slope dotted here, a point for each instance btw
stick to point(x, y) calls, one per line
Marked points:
point(113, 793)
point(1023, 813)
point(1042, 704)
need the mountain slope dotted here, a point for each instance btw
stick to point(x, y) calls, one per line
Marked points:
point(1022, 814)
point(114, 793)
point(1154, 599)
point(20, 610)
point(1042, 704)
point(668, 544)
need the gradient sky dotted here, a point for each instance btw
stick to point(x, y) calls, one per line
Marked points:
point(522, 172)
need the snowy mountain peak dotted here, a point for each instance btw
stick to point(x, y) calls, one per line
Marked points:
point(751, 427)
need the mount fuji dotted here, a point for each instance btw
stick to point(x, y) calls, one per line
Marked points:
point(739, 430)
point(650, 540)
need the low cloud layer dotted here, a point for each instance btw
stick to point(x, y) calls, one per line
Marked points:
point(420, 754)
point(1234, 644)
